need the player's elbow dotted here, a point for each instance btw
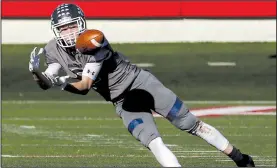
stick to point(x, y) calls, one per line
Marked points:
point(86, 84)
point(85, 87)
point(84, 92)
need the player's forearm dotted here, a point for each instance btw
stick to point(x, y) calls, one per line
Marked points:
point(81, 87)
point(43, 82)
point(76, 88)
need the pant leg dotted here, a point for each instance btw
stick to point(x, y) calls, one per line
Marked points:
point(166, 102)
point(139, 124)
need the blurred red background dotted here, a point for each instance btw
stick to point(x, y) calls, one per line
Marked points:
point(143, 9)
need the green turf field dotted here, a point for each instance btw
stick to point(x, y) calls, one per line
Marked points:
point(87, 135)
point(183, 67)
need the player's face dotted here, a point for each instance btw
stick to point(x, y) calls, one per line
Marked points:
point(69, 32)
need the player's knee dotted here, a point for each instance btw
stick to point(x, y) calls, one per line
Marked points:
point(180, 116)
point(202, 128)
point(185, 121)
point(145, 135)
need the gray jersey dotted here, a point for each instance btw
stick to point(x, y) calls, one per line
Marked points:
point(115, 76)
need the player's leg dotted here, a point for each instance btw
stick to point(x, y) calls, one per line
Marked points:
point(142, 126)
point(180, 117)
point(216, 139)
point(209, 134)
point(171, 107)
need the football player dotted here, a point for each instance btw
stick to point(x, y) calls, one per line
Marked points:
point(134, 92)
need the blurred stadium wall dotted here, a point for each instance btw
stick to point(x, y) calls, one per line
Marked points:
point(132, 21)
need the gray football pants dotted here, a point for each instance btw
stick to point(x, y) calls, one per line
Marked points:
point(148, 93)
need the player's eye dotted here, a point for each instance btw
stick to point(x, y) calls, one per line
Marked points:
point(62, 28)
point(73, 26)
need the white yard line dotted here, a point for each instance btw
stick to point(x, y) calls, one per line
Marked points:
point(101, 155)
point(27, 126)
point(70, 119)
point(132, 144)
point(75, 137)
point(67, 145)
point(122, 127)
point(221, 63)
point(145, 65)
point(104, 102)
point(72, 156)
point(60, 118)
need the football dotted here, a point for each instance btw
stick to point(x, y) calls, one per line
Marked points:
point(89, 40)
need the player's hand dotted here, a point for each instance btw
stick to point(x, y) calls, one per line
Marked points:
point(34, 59)
point(56, 80)
point(61, 80)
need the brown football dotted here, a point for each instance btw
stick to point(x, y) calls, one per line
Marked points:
point(89, 40)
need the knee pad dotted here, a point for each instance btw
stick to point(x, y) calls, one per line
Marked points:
point(185, 120)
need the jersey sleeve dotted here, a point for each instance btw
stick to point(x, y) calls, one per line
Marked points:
point(91, 70)
point(49, 52)
point(49, 58)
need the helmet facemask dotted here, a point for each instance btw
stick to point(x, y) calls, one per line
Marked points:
point(76, 26)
